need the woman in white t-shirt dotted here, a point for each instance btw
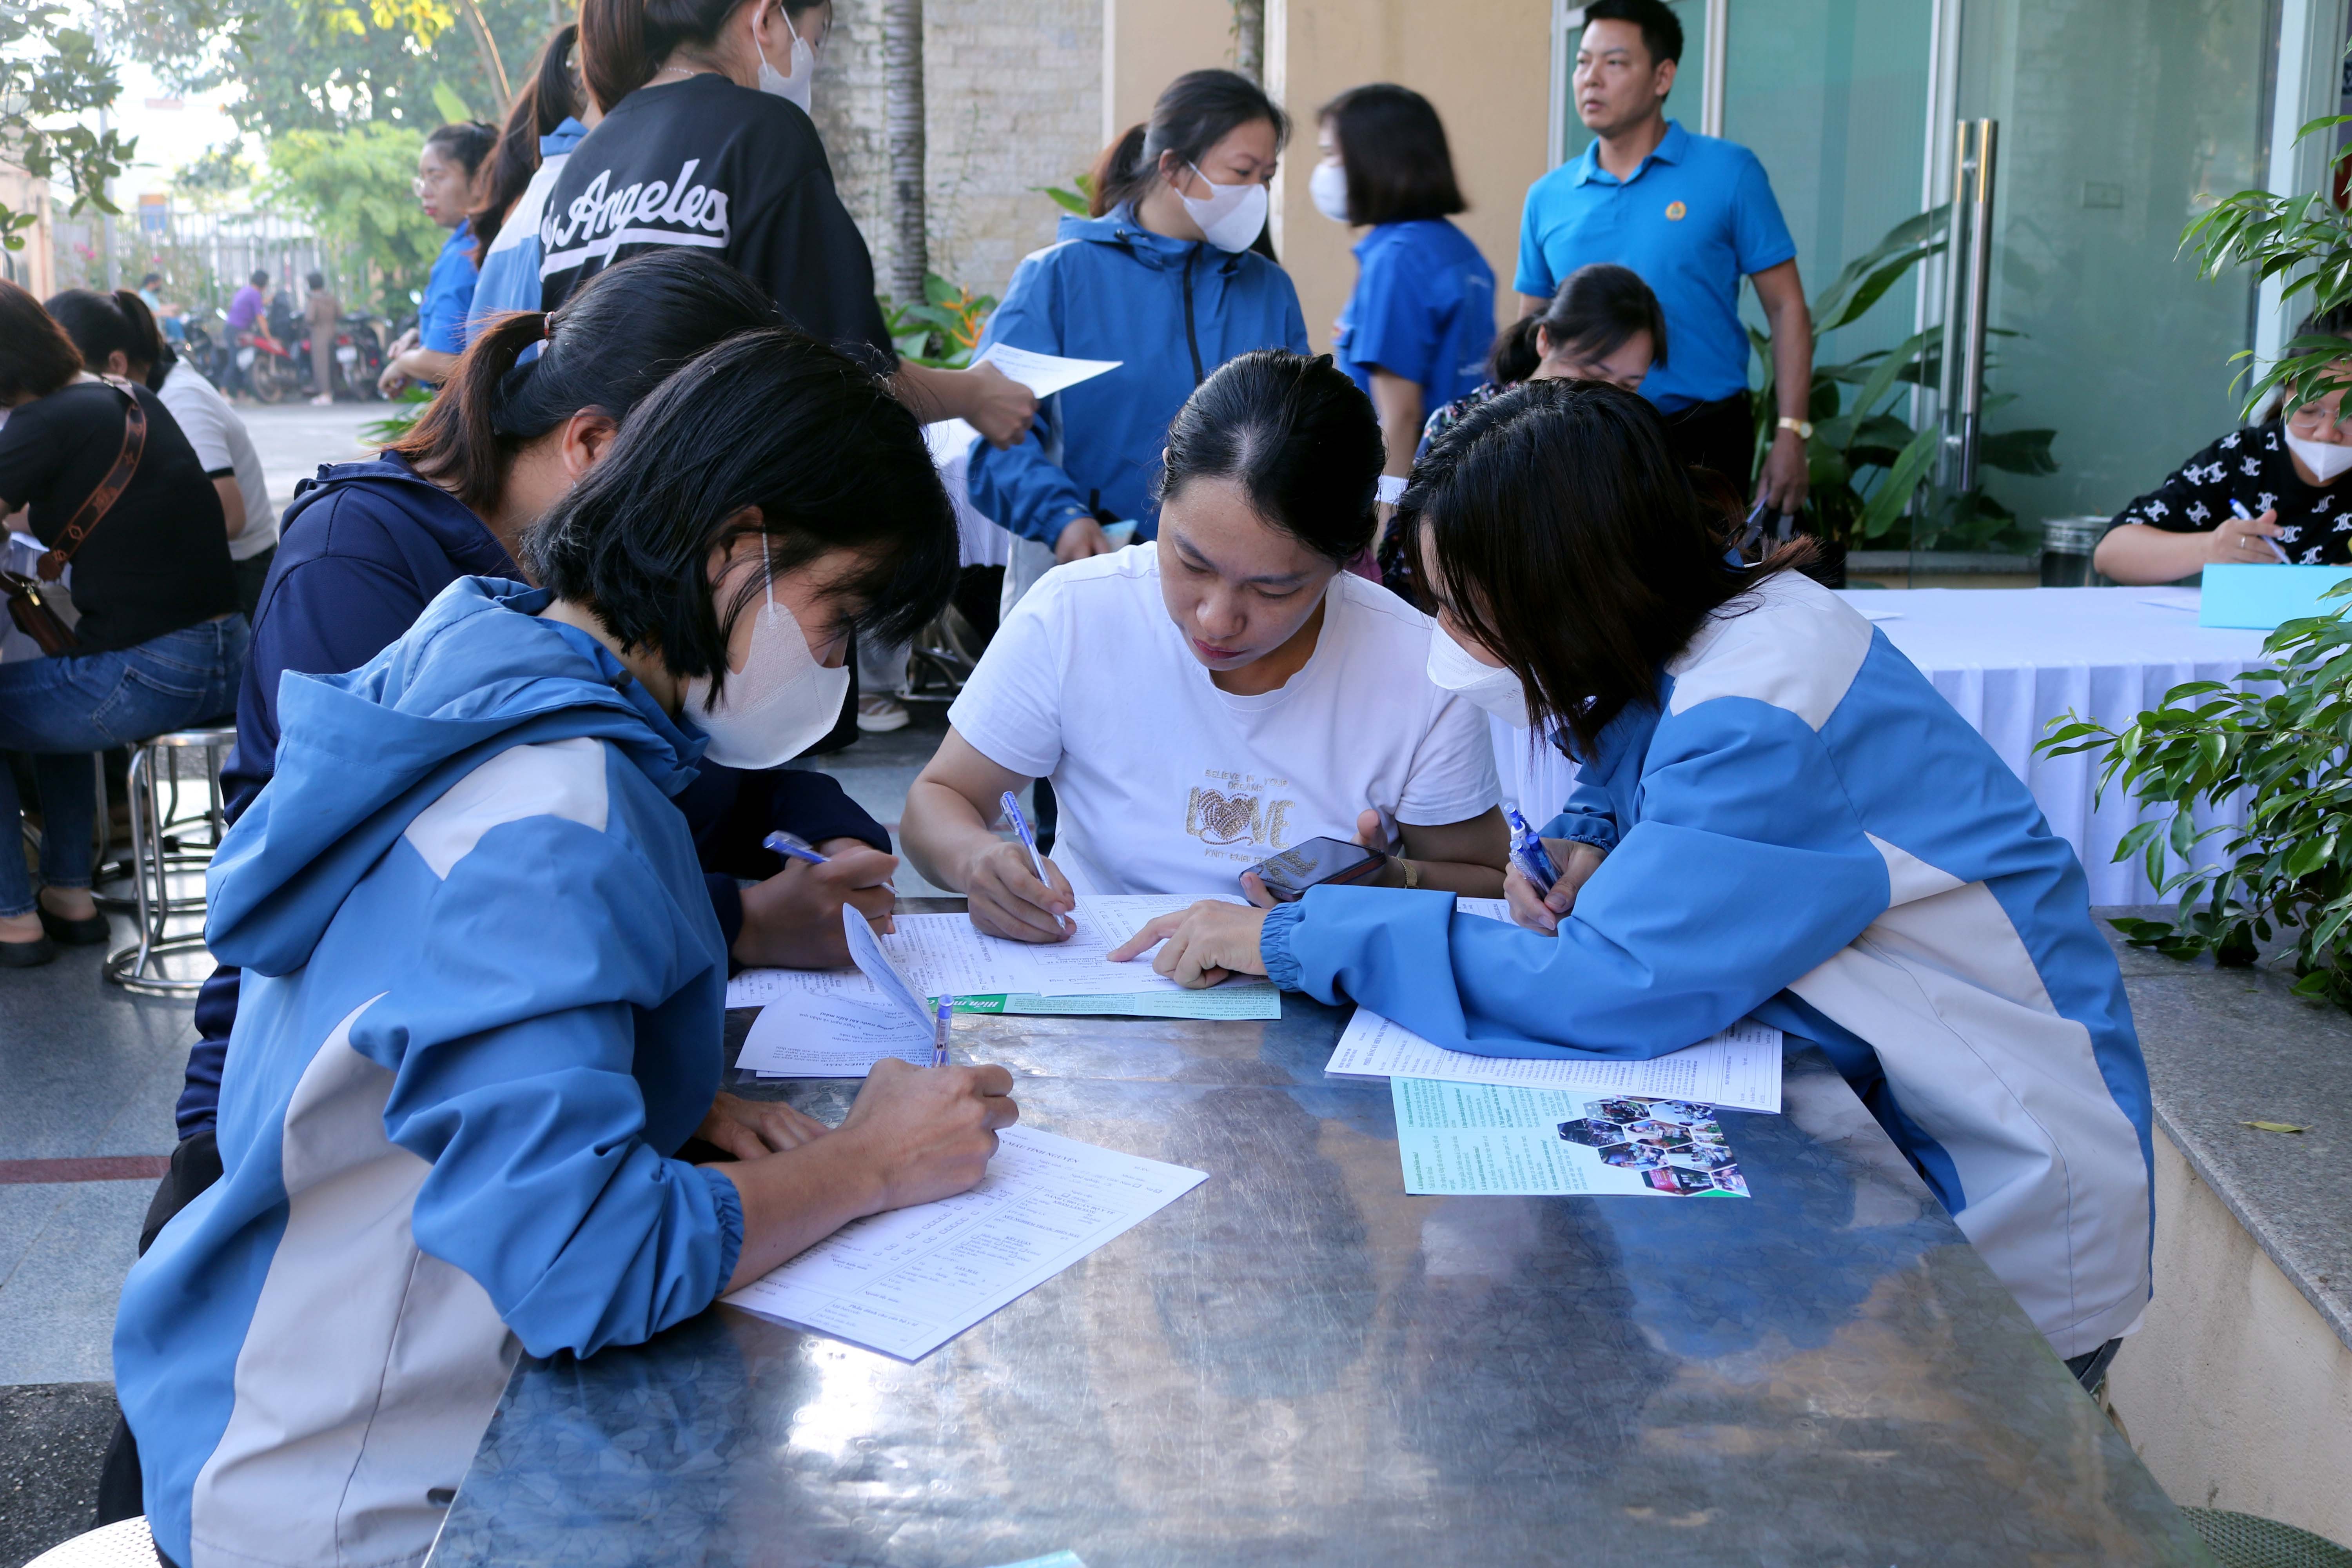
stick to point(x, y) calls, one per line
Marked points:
point(1207, 700)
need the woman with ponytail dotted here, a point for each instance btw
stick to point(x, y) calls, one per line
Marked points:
point(548, 117)
point(118, 336)
point(1165, 278)
point(707, 142)
point(451, 173)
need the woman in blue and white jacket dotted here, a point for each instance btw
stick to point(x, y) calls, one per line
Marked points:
point(1778, 815)
point(481, 1009)
point(1164, 279)
point(541, 128)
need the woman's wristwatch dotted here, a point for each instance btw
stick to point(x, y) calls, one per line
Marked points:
point(1803, 427)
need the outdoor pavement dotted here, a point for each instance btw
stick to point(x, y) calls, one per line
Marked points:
point(294, 439)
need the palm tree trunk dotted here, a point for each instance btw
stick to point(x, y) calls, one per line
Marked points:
point(1249, 39)
point(902, 67)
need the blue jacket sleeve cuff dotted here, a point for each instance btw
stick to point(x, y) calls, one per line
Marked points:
point(1047, 530)
point(1274, 945)
point(729, 1204)
point(1581, 827)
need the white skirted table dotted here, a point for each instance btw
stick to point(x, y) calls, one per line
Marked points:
point(2010, 660)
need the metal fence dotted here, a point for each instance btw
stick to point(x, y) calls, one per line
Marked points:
point(203, 256)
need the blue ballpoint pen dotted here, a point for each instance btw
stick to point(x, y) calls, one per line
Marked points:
point(941, 1023)
point(793, 846)
point(1528, 852)
point(2244, 516)
point(1028, 840)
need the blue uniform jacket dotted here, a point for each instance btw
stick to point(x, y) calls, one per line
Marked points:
point(363, 549)
point(1171, 310)
point(1804, 830)
point(483, 1000)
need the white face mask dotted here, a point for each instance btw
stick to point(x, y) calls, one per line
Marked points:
point(797, 86)
point(1498, 691)
point(2324, 458)
point(1230, 216)
point(779, 704)
point(1328, 188)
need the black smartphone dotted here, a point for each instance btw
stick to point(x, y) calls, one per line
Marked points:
point(1288, 875)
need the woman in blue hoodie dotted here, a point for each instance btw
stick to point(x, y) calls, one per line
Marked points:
point(1777, 815)
point(1166, 280)
point(483, 984)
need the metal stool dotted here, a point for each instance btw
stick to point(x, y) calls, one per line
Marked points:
point(157, 853)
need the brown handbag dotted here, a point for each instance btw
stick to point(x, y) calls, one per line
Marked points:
point(28, 604)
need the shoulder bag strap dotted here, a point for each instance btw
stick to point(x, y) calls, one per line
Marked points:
point(110, 489)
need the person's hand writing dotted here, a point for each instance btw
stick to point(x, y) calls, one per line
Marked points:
point(1200, 946)
point(1008, 900)
point(748, 1129)
point(1543, 913)
point(928, 1132)
point(1082, 538)
point(1000, 408)
point(2243, 540)
point(1784, 482)
point(792, 920)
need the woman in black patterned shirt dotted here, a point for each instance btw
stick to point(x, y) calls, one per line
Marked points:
point(2292, 476)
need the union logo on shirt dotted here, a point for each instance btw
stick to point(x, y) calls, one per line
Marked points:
point(1675, 212)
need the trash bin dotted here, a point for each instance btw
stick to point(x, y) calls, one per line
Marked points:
point(2066, 546)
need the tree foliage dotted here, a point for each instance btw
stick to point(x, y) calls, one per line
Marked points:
point(50, 72)
point(354, 187)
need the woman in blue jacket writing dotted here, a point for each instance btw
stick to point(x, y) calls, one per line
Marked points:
point(1777, 815)
point(1162, 278)
point(483, 984)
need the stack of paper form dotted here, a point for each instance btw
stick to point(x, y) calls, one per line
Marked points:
point(1739, 1067)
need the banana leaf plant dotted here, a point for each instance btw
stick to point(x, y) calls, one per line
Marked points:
point(1865, 463)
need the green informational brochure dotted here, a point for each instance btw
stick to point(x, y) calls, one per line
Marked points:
point(1246, 1001)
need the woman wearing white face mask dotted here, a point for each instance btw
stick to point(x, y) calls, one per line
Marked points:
point(1166, 279)
point(1750, 835)
point(697, 148)
point(2289, 474)
point(483, 987)
point(1221, 695)
point(1415, 331)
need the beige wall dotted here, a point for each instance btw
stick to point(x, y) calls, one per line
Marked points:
point(2235, 1392)
point(1485, 64)
point(1147, 43)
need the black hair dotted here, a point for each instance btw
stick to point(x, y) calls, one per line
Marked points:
point(1392, 146)
point(152, 277)
point(1662, 30)
point(315, 279)
point(153, 350)
point(1514, 356)
point(36, 354)
point(1598, 308)
point(607, 347)
point(772, 420)
point(98, 327)
point(623, 42)
point(260, 276)
point(1199, 110)
point(546, 102)
point(467, 140)
point(1296, 435)
point(1567, 540)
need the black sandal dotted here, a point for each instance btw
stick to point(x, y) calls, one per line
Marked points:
point(26, 954)
point(87, 931)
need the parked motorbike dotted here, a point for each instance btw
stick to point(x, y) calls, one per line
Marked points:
point(357, 355)
point(206, 353)
point(267, 369)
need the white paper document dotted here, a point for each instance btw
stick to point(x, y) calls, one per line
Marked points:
point(905, 1282)
point(946, 955)
point(1042, 374)
point(1738, 1068)
point(829, 1024)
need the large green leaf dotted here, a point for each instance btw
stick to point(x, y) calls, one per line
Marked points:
point(1887, 502)
point(2018, 451)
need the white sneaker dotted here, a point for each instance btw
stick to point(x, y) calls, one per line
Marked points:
point(879, 715)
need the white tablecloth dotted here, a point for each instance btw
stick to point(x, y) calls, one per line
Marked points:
point(2012, 659)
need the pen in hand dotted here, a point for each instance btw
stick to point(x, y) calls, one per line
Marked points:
point(2238, 507)
point(1020, 825)
point(792, 847)
point(942, 1022)
point(1528, 854)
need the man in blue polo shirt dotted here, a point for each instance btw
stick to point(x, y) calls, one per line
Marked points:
point(1692, 214)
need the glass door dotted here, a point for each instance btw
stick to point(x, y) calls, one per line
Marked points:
point(2106, 360)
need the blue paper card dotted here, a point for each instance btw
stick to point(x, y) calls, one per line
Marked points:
point(2260, 597)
